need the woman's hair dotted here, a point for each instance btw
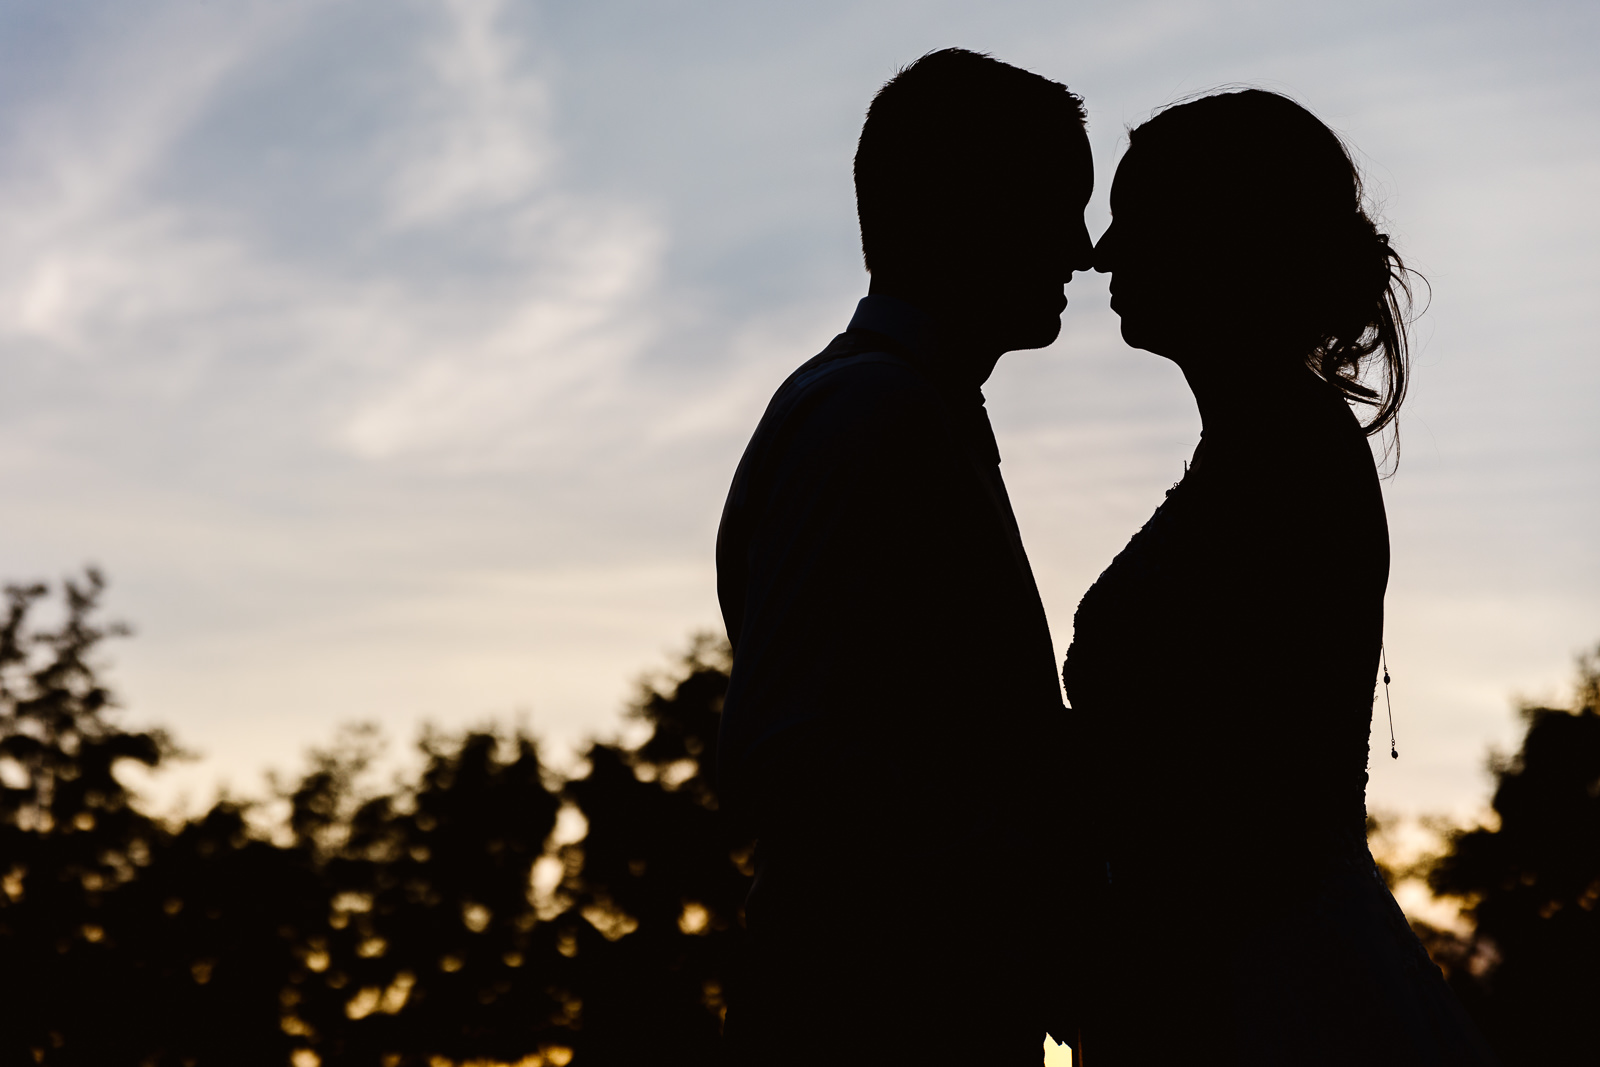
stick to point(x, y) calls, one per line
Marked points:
point(1272, 180)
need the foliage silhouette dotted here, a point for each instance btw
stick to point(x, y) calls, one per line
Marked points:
point(431, 945)
point(1530, 887)
point(398, 927)
point(656, 886)
point(69, 838)
point(388, 928)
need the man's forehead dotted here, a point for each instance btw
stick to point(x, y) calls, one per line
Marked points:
point(1072, 164)
point(1065, 151)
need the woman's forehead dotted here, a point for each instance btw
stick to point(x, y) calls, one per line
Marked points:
point(1141, 173)
point(1155, 180)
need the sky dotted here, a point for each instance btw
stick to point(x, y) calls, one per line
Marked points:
point(393, 356)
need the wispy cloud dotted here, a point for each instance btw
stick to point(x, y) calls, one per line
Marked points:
point(394, 354)
point(478, 136)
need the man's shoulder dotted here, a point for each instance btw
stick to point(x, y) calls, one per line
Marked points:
point(851, 377)
point(856, 406)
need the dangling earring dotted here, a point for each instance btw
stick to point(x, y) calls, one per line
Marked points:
point(1383, 655)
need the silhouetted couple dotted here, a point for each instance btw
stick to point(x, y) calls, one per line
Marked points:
point(952, 863)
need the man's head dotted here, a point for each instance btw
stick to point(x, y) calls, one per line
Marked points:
point(971, 179)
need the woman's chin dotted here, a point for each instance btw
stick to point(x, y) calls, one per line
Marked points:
point(1144, 339)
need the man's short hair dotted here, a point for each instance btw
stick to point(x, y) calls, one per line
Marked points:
point(951, 143)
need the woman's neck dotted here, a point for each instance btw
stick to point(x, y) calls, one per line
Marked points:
point(1238, 389)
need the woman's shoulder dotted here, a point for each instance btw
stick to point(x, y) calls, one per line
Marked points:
point(1303, 475)
point(1313, 439)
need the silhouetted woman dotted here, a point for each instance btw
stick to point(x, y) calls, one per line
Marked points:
point(1222, 670)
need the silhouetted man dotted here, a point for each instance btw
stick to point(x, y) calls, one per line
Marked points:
point(891, 727)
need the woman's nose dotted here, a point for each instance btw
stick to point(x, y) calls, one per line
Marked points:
point(1082, 249)
point(1105, 250)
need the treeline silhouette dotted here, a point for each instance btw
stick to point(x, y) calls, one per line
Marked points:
point(445, 921)
point(393, 929)
point(1528, 970)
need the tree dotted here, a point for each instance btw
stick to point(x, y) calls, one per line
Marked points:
point(656, 885)
point(432, 946)
point(1529, 971)
point(69, 838)
point(402, 927)
point(370, 928)
point(210, 935)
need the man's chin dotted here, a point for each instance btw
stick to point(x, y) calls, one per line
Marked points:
point(1041, 333)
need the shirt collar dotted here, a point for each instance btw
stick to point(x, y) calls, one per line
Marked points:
point(906, 324)
point(917, 335)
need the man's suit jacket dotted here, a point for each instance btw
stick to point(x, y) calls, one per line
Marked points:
point(890, 649)
point(891, 731)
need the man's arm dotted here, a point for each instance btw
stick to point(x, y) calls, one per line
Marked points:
point(847, 551)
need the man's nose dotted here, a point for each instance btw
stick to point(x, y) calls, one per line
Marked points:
point(1073, 252)
point(1082, 249)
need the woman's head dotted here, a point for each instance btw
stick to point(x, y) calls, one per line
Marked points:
point(1239, 230)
